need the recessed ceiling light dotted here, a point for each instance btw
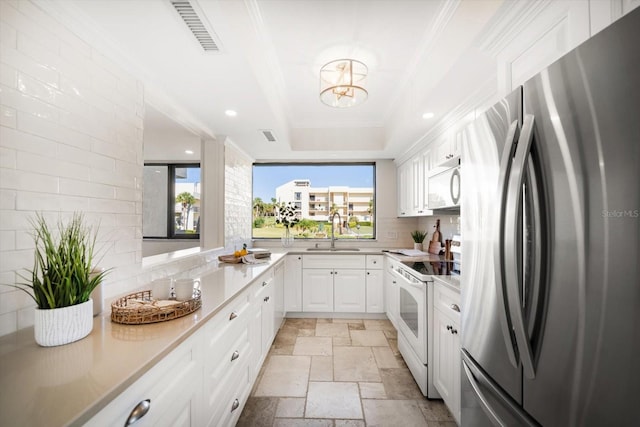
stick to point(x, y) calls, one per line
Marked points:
point(188, 151)
point(428, 115)
point(231, 113)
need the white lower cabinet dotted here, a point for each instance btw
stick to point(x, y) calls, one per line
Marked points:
point(375, 284)
point(375, 291)
point(293, 283)
point(349, 291)
point(278, 295)
point(317, 290)
point(334, 283)
point(263, 319)
point(207, 379)
point(446, 344)
point(391, 293)
point(167, 395)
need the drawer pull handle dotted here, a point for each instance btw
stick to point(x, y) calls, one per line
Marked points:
point(235, 405)
point(264, 283)
point(454, 331)
point(138, 412)
point(449, 327)
point(233, 315)
point(455, 307)
point(266, 299)
point(235, 355)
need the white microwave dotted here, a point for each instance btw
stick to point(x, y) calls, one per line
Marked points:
point(444, 189)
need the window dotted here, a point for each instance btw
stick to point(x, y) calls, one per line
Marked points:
point(171, 201)
point(315, 192)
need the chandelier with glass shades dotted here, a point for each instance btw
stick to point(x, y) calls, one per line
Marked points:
point(342, 83)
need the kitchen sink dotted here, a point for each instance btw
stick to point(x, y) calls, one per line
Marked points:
point(333, 249)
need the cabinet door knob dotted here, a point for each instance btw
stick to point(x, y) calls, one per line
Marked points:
point(368, 273)
point(264, 283)
point(449, 327)
point(235, 355)
point(233, 315)
point(375, 262)
point(299, 257)
point(266, 299)
point(235, 405)
point(454, 331)
point(138, 412)
point(455, 307)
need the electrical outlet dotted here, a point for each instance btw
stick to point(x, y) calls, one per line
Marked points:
point(393, 235)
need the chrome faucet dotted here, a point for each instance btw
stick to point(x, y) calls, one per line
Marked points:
point(333, 239)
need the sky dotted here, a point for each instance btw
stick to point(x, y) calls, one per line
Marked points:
point(267, 177)
point(193, 175)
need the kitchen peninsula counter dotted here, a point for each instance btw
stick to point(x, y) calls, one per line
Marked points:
point(67, 385)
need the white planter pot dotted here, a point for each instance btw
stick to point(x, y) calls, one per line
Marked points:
point(417, 246)
point(64, 325)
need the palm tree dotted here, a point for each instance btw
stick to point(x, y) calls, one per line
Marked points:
point(258, 206)
point(187, 200)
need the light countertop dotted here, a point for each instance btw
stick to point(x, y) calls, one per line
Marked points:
point(452, 282)
point(69, 384)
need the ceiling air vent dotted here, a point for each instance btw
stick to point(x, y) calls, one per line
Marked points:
point(205, 37)
point(268, 134)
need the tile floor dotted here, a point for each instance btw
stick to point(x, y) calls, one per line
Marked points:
point(338, 373)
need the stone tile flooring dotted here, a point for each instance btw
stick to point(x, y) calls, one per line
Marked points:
point(338, 373)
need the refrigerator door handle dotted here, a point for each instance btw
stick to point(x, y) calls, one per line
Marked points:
point(513, 280)
point(505, 168)
point(495, 403)
point(481, 398)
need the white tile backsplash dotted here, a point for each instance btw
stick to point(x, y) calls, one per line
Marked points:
point(238, 201)
point(64, 100)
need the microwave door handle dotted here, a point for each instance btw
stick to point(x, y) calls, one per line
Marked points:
point(512, 251)
point(454, 186)
point(498, 256)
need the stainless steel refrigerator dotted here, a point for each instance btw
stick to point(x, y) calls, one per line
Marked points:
point(550, 218)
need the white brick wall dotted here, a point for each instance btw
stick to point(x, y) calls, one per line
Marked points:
point(237, 194)
point(70, 140)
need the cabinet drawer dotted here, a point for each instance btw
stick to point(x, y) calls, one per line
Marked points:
point(221, 376)
point(169, 388)
point(225, 327)
point(445, 300)
point(266, 281)
point(333, 261)
point(236, 386)
point(375, 262)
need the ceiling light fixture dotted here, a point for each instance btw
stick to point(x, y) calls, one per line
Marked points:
point(428, 116)
point(342, 83)
point(231, 113)
point(188, 151)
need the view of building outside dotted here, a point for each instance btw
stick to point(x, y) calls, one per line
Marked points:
point(314, 206)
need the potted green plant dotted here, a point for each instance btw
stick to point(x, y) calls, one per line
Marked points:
point(418, 237)
point(287, 217)
point(62, 280)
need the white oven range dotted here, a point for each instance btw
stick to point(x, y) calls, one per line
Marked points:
point(414, 320)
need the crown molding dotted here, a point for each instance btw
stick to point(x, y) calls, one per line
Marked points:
point(462, 114)
point(508, 23)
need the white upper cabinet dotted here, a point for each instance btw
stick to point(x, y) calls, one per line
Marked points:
point(412, 185)
point(405, 184)
point(446, 151)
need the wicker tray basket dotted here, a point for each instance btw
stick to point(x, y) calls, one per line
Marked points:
point(231, 259)
point(139, 309)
